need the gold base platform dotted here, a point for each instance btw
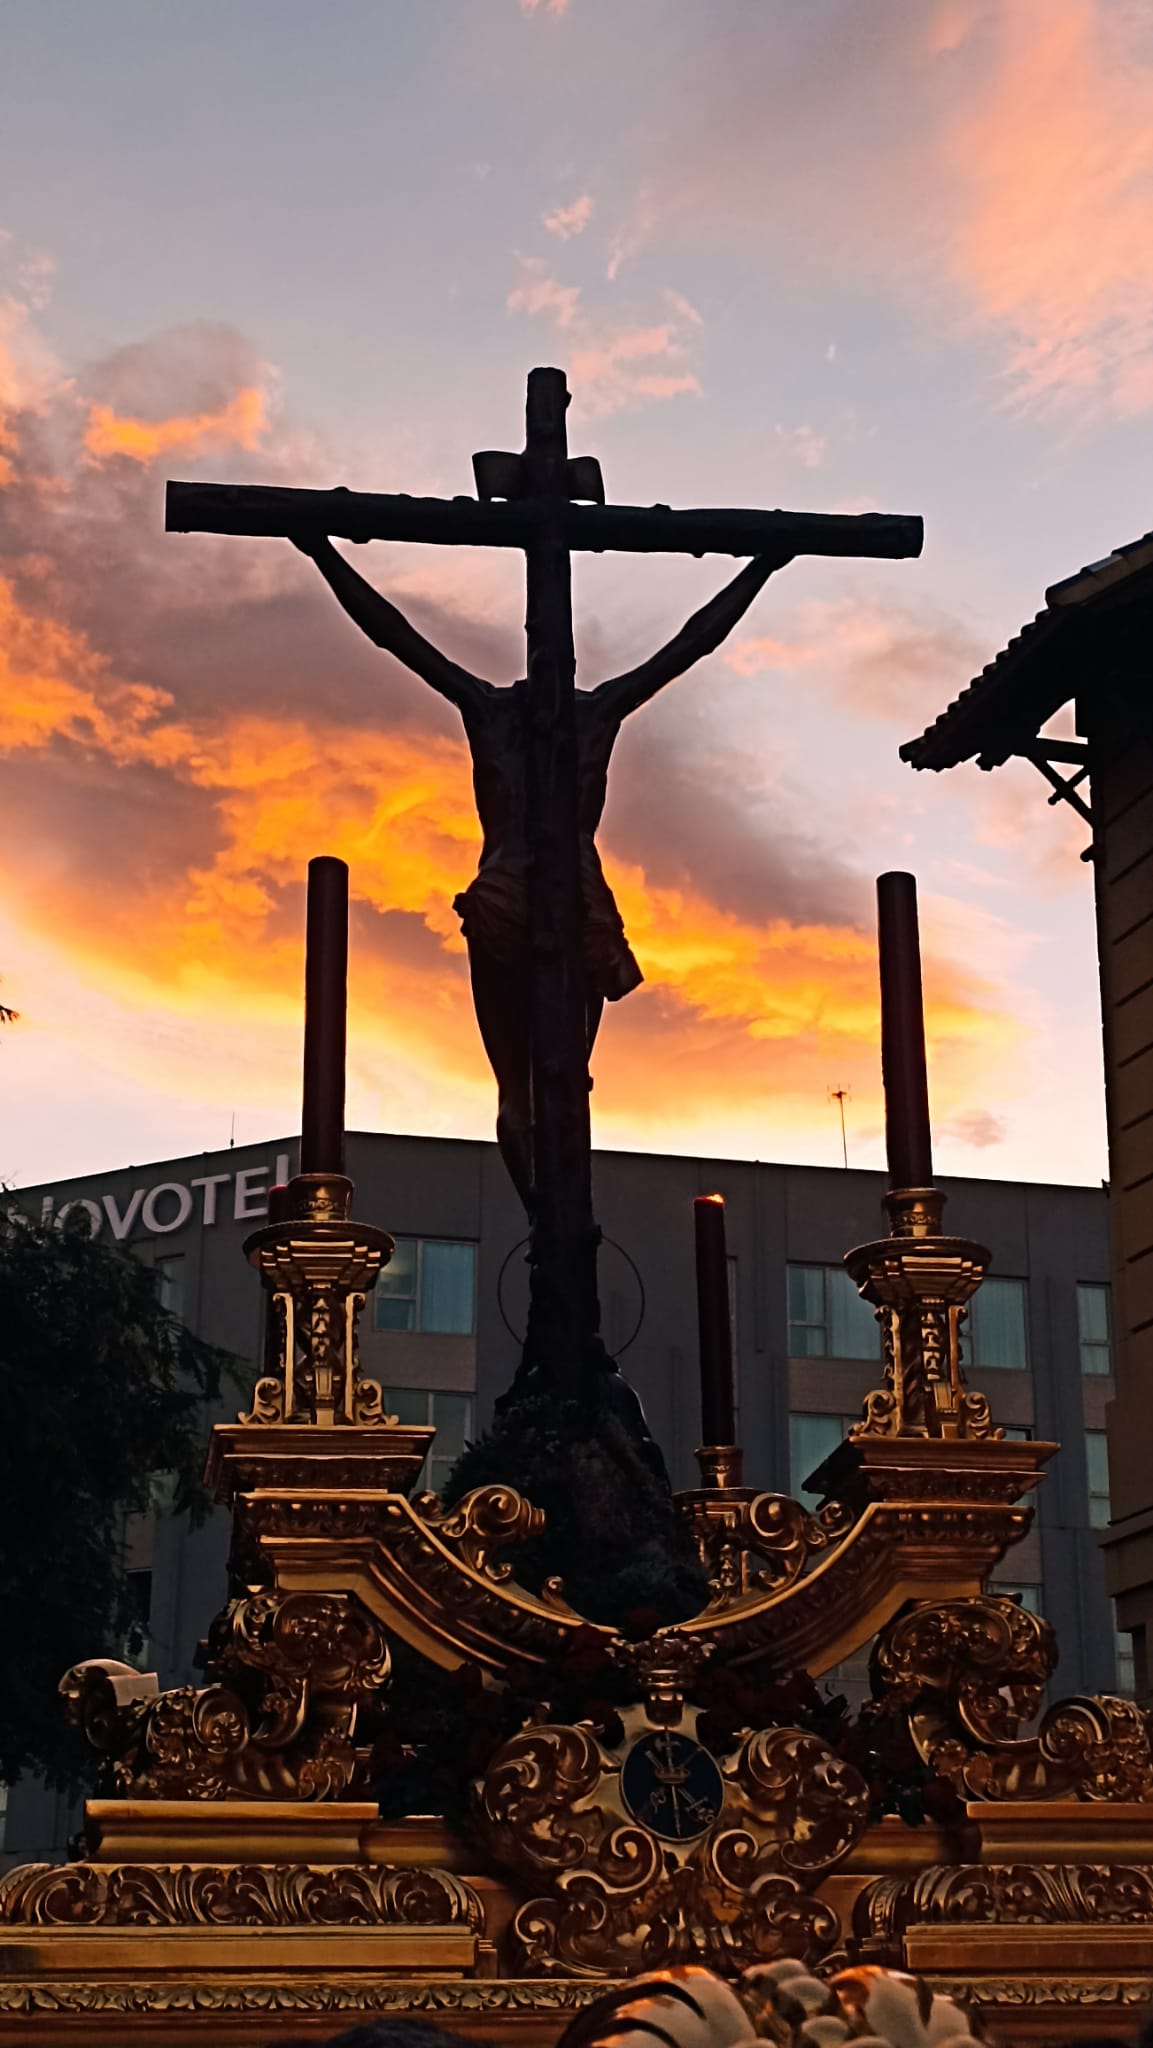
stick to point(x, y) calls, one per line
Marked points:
point(244, 1922)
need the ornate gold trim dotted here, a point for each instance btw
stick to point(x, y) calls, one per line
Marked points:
point(153, 1895)
point(971, 1672)
point(337, 1995)
point(620, 1899)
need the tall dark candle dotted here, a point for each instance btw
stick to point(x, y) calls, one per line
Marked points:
point(718, 1420)
point(908, 1138)
point(325, 1014)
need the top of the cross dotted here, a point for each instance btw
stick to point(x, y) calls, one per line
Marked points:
point(546, 467)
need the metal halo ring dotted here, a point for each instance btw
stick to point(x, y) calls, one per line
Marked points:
point(634, 1333)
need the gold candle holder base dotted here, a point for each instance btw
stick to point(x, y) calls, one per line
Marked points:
point(721, 1466)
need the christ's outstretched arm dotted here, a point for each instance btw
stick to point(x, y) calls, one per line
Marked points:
point(388, 628)
point(701, 635)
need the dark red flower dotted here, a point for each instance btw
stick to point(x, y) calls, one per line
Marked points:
point(386, 1756)
point(941, 1803)
point(717, 1730)
point(641, 1623)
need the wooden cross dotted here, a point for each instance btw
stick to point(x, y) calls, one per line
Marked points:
point(547, 503)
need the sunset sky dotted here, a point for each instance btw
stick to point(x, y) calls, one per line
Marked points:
point(839, 255)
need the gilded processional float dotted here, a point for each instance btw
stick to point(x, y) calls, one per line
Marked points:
point(421, 1777)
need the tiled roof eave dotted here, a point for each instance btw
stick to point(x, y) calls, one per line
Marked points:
point(982, 717)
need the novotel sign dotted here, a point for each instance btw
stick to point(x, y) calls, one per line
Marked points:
point(241, 1196)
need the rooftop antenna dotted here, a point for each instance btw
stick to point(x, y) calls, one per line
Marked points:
point(840, 1096)
point(232, 1132)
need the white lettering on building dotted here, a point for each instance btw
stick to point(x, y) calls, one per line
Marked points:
point(247, 1192)
point(169, 1205)
point(121, 1225)
point(95, 1212)
point(150, 1214)
point(210, 1182)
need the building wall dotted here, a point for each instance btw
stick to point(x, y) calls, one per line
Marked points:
point(456, 1191)
point(1123, 869)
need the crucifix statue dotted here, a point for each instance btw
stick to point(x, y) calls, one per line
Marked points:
point(545, 941)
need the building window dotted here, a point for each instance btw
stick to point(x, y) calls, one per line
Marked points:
point(1028, 1597)
point(170, 1285)
point(428, 1287)
point(812, 1439)
point(827, 1318)
point(1093, 1328)
point(451, 1417)
point(1097, 1461)
point(996, 1328)
point(1123, 1653)
point(3, 1811)
point(137, 1636)
point(1016, 1434)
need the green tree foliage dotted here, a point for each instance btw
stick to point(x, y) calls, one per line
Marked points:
point(101, 1390)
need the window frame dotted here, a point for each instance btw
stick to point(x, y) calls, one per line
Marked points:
point(425, 1480)
point(417, 1329)
point(825, 1324)
point(843, 1422)
point(1094, 1345)
point(1095, 1495)
point(972, 1324)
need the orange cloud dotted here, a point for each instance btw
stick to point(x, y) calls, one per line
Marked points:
point(1052, 165)
point(167, 725)
point(53, 685)
point(779, 998)
point(239, 424)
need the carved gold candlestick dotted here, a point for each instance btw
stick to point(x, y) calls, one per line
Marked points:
point(920, 1283)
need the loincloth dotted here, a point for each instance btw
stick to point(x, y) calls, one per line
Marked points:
point(493, 912)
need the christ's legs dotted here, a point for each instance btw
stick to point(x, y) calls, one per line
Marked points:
point(594, 1011)
point(501, 997)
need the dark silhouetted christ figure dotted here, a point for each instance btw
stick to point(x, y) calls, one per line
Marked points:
point(494, 909)
point(545, 941)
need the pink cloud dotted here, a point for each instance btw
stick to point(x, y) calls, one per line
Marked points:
point(613, 365)
point(566, 221)
point(805, 444)
point(976, 1127)
point(882, 658)
point(1012, 141)
point(539, 293)
point(1052, 166)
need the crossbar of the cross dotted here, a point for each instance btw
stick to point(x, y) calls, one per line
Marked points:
point(271, 510)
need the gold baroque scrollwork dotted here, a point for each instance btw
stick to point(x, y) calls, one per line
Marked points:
point(1044, 1991)
point(620, 1901)
point(290, 1672)
point(971, 1672)
point(485, 1522)
point(328, 1996)
point(235, 1895)
point(998, 1894)
point(1032, 1894)
point(751, 1543)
